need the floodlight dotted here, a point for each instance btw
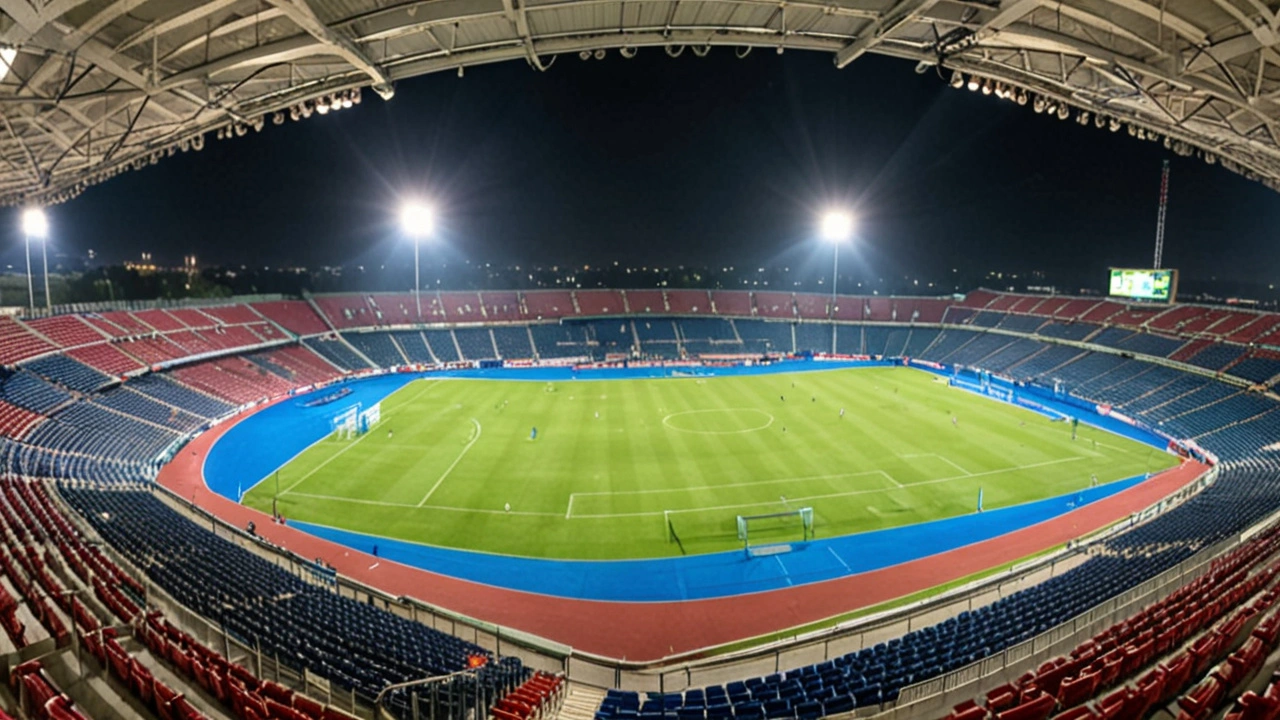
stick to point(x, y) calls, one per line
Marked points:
point(973, 83)
point(416, 220)
point(34, 223)
point(837, 226)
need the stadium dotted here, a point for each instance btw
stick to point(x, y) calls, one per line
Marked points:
point(630, 502)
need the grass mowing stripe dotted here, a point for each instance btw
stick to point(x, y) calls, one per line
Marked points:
point(456, 460)
point(605, 465)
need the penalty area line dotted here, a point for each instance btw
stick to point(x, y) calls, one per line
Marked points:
point(453, 465)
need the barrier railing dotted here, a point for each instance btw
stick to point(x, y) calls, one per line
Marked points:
point(673, 674)
point(938, 695)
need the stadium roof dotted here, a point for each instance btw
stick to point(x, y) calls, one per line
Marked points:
point(98, 86)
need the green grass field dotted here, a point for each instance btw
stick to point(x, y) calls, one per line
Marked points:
point(614, 460)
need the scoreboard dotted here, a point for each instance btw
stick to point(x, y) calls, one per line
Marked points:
point(1154, 285)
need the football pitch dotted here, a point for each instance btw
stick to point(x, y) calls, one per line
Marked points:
point(651, 468)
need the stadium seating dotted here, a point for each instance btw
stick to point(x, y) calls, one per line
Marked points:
point(16, 421)
point(165, 390)
point(599, 302)
point(736, 304)
point(1217, 356)
point(694, 302)
point(657, 337)
point(442, 345)
point(352, 644)
point(68, 373)
point(65, 330)
point(813, 337)
point(501, 306)
point(152, 350)
point(106, 358)
point(17, 343)
point(919, 340)
point(475, 343)
point(337, 352)
point(414, 346)
point(875, 675)
point(461, 307)
point(1259, 367)
point(64, 415)
point(295, 316)
point(513, 343)
point(646, 302)
point(349, 311)
point(234, 380)
point(560, 341)
point(548, 304)
point(26, 390)
point(772, 305)
point(611, 336)
point(128, 402)
point(378, 347)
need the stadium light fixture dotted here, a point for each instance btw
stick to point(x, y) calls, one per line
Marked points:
point(836, 228)
point(35, 224)
point(417, 221)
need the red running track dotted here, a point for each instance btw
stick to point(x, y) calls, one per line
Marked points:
point(650, 631)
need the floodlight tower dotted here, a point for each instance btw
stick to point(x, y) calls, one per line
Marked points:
point(417, 222)
point(1164, 206)
point(36, 225)
point(837, 229)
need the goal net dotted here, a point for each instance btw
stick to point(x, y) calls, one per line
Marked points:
point(772, 533)
point(346, 424)
point(369, 418)
point(697, 530)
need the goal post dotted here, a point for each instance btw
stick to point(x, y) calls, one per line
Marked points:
point(346, 424)
point(775, 530)
point(369, 418)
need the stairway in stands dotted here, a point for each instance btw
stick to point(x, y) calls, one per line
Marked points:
point(581, 703)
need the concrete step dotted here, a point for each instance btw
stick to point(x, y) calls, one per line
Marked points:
point(581, 703)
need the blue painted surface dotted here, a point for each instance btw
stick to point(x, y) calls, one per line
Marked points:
point(259, 444)
point(719, 574)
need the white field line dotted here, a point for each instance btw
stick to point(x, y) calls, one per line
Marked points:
point(453, 465)
point(412, 506)
point(569, 512)
point(317, 468)
point(326, 437)
point(827, 496)
point(940, 457)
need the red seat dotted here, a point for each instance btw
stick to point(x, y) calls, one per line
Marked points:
point(1203, 698)
point(1252, 706)
point(968, 710)
point(1002, 698)
point(1084, 712)
point(1036, 709)
point(1073, 691)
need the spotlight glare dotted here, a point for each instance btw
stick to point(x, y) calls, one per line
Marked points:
point(35, 223)
point(837, 226)
point(416, 220)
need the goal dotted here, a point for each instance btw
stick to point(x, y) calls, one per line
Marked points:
point(346, 424)
point(773, 533)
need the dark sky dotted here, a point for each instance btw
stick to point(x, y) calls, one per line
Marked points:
point(699, 161)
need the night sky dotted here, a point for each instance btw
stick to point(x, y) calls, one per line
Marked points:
point(709, 161)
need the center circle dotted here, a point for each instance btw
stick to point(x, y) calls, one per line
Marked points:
point(727, 421)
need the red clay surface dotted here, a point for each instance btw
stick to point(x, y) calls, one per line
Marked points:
point(651, 631)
